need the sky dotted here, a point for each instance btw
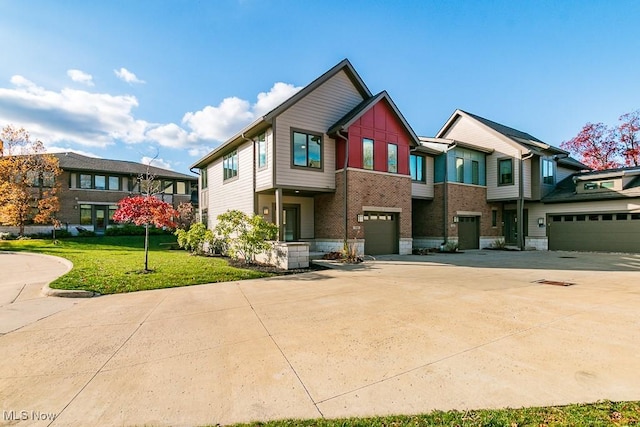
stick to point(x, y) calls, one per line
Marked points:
point(170, 80)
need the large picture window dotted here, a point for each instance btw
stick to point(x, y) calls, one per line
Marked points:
point(392, 158)
point(505, 171)
point(230, 165)
point(307, 150)
point(367, 153)
point(416, 167)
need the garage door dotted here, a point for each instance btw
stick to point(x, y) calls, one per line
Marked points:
point(608, 232)
point(380, 233)
point(468, 232)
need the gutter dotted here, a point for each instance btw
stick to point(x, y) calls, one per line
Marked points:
point(445, 190)
point(520, 215)
point(253, 157)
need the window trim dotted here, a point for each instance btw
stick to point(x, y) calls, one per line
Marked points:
point(232, 176)
point(292, 148)
point(261, 144)
point(510, 160)
point(373, 153)
point(459, 167)
point(548, 165)
point(204, 178)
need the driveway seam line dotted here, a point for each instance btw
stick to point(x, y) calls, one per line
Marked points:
point(281, 352)
point(107, 361)
point(19, 293)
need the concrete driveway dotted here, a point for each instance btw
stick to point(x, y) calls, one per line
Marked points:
point(399, 335)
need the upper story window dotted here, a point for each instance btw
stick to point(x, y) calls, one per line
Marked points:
point(505, 171)
point(181, 187)
point(367, 153)
point(114, 183)
point(416, 167)
point(262, 151)
point(392, 158)
point(548, 173)
point(100, 182)
point(475, 172)
point(230, 165)
point(459, 169)
point(204, 180)
point(307, 150)
point(85, 181)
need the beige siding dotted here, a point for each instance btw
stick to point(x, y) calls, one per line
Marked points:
point(472, 132)
point(527, 178)
point(539, 210)
point(425, 190)
point(562, 173)
point(264, 176)
point(306, 211)
point(316, 112)
point(233, 194)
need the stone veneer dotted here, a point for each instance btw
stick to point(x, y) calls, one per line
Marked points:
point(287, 255)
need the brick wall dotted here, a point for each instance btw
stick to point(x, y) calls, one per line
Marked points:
point(473, 199)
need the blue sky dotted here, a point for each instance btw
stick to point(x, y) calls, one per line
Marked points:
point(129, 79)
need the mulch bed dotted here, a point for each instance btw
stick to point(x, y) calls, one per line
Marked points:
point(266, 268)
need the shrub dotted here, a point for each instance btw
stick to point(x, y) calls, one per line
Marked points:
point(195, 239)
point(133, 230)
point(5, 236)
point(244, 236)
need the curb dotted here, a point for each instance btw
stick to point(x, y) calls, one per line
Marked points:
point(68, 293)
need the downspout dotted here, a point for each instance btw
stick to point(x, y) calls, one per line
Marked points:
point(255, 196)
point(345, 187)
point(445, 192)
point(520, 216)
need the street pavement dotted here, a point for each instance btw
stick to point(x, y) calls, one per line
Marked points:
point(399, 334)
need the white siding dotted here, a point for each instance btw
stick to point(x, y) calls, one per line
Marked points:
point(316, 112)
point(264, 176)
point(472, 132)
point(306, 211)
point(425, 190)
point(233, 194)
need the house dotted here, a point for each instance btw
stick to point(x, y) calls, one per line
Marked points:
point(489, 175)
point(328, 165)
point(90, 189)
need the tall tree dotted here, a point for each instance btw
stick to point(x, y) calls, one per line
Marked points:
point(629, 134)
point(28, 180)
point(597, 145)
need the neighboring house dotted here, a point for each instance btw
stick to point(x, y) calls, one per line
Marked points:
point(90, 189)
point(489, 175)
point(330, 164)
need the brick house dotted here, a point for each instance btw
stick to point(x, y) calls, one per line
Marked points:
point(329, 164)
point(91, 187)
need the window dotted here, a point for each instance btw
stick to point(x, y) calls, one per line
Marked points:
point(307, 150)
point(112, 211)
point(621, 217)
point(114, 183)
point(505, 171)
point(203, 178)
point(392, 158)
point(580, 217)
point(230, 165)
point(85, 180)
point(262, 151)
point(416, 166)
point(607, 184)
point(85, 215)
point(167, 187)
point(367, 153)
point(590, 185)
point(607, 217)
point(475, 172)
point(181, 187)
point(100, 182)
point(494, 218)
point(548, 175)
point(459, 169)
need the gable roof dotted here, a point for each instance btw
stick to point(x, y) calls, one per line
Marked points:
point(263, 122)
point(73, 161)
point(513, 136)
point(359, 110)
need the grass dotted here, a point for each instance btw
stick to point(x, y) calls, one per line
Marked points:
point(114, 264)
point(603, 413)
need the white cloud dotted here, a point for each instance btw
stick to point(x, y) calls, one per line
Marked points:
point(200, 151)
point(279, 93)
point(159, 163)
point(127, 76)
point(169, 135)
point(55, 149)
point(80, 77)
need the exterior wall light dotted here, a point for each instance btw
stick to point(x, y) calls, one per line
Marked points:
point(360, 218)
point(540, 222)
point(265, 211)
point(456, 219)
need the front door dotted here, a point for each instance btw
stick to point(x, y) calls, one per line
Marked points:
point(291, 222)
point(511, 226)
point(101, 219)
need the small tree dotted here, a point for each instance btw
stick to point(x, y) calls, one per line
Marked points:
point(146, 210)
point(629, 133)
point(28, 180)
point(245, 236)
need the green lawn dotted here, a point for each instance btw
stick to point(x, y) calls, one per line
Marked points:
point(593, 414)
point(113, 264)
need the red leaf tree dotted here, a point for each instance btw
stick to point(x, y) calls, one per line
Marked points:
point(597, 145)
point(629, 133)
point(147, 211)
